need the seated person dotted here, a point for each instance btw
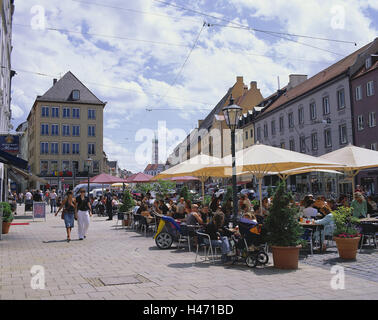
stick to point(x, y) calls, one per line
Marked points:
point(309, 211)
point(194, 218)
point(144, 212)
point(258, 214)
point(329, 227)
point(215, 231)
point(163, 208)
point(135, 209)
point(371, 205)
point(205, 215)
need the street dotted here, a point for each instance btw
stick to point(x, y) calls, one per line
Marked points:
point(95, 267)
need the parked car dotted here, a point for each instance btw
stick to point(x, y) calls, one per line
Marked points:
point(95, 193)
point(92, 186)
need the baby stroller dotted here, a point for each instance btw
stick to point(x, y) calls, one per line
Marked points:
point(167, 232)
point(249, 245)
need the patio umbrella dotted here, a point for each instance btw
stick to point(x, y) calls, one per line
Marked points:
point(195, 167)
point(261, 159)
point(352, 160)
point(139, 177)
point(184, 179)
point(105, 178)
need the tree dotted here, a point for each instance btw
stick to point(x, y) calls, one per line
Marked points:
point(282, 226)
point(144, 187)
point(184, 193)
point(128, 202)
point(162, 187)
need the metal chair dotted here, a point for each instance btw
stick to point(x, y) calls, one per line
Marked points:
point(329, 238)
point(120, 216)
point(307, 236)
point(368, 230)
point(208, 248)
point(184, 235)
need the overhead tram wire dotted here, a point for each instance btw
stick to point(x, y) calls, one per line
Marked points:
point(182, 67)
point(252, 29)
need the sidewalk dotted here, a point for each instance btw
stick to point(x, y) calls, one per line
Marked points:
point(79, 269)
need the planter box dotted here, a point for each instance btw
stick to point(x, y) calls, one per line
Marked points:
point(347, 247)
point(6, 226)
point(285, 257)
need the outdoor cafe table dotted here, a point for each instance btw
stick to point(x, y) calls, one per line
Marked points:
point(314, 227)
point(369, 220)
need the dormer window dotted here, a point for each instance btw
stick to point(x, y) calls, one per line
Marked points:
point(75, 95)
point(368, 63)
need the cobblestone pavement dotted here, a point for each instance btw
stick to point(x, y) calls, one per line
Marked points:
point(78, 270)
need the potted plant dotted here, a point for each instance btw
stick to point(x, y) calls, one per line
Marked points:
point(346, 234)
point(7, 216)
point(127, 203)
point(283, 231)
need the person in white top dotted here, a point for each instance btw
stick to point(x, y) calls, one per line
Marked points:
point(309, 211)
point(53, 196)
point(28, 195)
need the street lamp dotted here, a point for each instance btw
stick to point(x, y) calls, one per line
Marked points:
point(231, 115)
point(88, 163)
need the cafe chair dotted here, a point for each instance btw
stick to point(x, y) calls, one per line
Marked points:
point(208, 248)
point(184, 235)
point(120, 217)
point(307, 236)
point(368, 230)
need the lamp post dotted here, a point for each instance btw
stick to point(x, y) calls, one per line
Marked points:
point(231, 115)
point(88, 163)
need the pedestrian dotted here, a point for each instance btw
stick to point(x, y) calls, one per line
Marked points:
point(68, 214)
point(53, 197)
point(83, 211)
point(47, 196)
point(108, 204)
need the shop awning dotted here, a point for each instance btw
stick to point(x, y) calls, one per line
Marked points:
point(7, 158)
point(27, 175)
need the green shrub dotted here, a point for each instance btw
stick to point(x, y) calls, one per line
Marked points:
point(7, 212)
point(345, 223)
point(282, 226)
point(127, 202)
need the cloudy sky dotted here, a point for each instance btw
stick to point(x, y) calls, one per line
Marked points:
point(155, 55)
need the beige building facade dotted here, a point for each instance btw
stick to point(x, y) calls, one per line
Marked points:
point(65, 128)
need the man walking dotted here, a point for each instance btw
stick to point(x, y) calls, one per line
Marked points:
point(53, 197)
point(108, 204)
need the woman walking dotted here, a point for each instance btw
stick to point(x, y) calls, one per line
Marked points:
point(69, 205)
point(53, 197)
point(83, 210)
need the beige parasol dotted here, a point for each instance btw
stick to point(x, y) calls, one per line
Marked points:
point(352, 160)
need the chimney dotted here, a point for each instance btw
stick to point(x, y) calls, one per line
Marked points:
point(253, 85)
point(296, 79)
point(54, 81)
point(239, 79)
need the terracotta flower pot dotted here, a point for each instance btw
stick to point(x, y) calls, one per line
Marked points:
point(347, 247)
point(6, 226)
point(285, 257)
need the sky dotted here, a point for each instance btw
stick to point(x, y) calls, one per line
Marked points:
point(157, 65)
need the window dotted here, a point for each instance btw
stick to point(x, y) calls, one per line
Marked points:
point(65, 165)
point(273, 125)
point(54, 148)
point(291, 120)
point(340, 99)
point(373, 146)
point(44, 147)
point(372, 120)
point(91, 114)
point(282, 145)
point(302, 144)
point(75, 148)
point(66, 148)
point(76, 113)
point(55, 112)
point(258, 134)
point(55, 130)
point(265, 130)
point(327, 138)
point(368, 63)
point(92, 132)
point(75, 95)
point(75, 166)
point(300, 115)
point(54, 166)
point(312, 111)
point(370, 88)
point(343, 134)
point(281, 124)
point(66, 112)
point(65, 130)
point(96, 166)
point(45, 112)
point(44, 129)
point(292, 145)
point(91, 148)
point(326, 108)
point(360, 122)
point(358, 93)
point(246, 135)
point(44, 167)
point(251, 133)
point(76, 131)
point(314, 141)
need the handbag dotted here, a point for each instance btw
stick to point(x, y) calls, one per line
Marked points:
point(62, 216)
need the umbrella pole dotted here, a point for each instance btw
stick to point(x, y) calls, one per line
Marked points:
point(203, 190)
point(260, 191)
